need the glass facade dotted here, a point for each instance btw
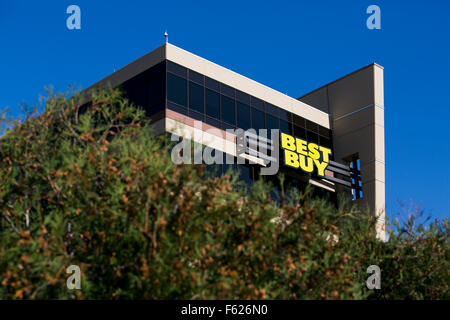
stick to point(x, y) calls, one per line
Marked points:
point(212, 103)
point(177, 90)
point(169, 85)
point(215, 103)
point(228, 109)
point(148, 90)
point(196, 97)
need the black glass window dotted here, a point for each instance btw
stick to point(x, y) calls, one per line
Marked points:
point(196, 97)
point(245, 173)
point(242, 97)
point(226, 126)
point(226, 90)
point(196, 115)
point(213, 122)
point(196, 77)
point(325, 142)
point(257, 103)
point(212, 84)
point(299, 132)
point(271, 123)
point(285, 127)
point(324, 132)
point(257, 119)
point(212, 104)
point(270, 108)
point(228, 110)
point(284, 115)
point(290, 116)
point(140, 95)
point(311, 126)
point(148, 89)
point(176, 89)
point(176, 69)
point(216, 104)
point(177, 108)
point(298, 121)
point(312, 137)
point(243, 115)
point(156, 91)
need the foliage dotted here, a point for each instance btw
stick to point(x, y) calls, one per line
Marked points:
point(89, 185)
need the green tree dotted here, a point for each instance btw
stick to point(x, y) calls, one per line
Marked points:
point(90, 185)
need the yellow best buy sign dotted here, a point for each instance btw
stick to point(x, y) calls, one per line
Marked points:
point(300, 154)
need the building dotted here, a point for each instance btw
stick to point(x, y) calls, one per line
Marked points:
point(194, 98)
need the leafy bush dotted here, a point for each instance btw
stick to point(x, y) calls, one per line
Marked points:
point(89, 185)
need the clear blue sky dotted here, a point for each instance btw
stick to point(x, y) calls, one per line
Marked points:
point(291, 46)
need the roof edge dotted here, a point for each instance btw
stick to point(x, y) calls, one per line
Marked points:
point(345, 76)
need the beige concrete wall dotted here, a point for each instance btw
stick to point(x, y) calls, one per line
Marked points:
point(356, 106)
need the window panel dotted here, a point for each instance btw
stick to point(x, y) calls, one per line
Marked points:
point(157, 89)
point(243, 116)
point(312, 137)
point(311, 126)
point(176, 69)
point(242, 97)
point(213, 122)
point(324, 132)
point(285, 127)
point(196, 115)
point(177, 108)
point(212, 104)
point(196, 77)
point(140, 95)
point(299, 132)
point(228, 110)
point(290, 116)
point(245, 173)
point(226, 90)
point(196, 97)
point(325, 142)
point(271, 123)
point(226, 126)
point(257, 119)
point(284, 115)
point(270, 108)
point(299, 121)
point(176, 89)
point(212, 84)
point(257, 103)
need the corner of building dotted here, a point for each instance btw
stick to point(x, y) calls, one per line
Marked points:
point(355, 104)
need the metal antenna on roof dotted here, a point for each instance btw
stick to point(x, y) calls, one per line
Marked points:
point(166, 35)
